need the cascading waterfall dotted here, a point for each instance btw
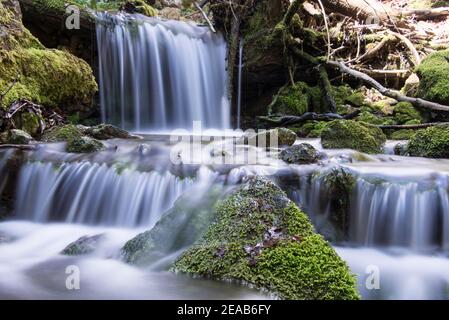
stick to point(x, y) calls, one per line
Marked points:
point(95, 194)
point(161, 75)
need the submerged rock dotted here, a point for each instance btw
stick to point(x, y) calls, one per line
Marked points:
point(106, 131)
point(15, 136)
point(302, 153)
point(260, 237)
point(84, 245)
point(432, 142)
point(348, 134)
point(84, 145)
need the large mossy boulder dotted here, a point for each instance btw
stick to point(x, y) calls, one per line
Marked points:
point(277, 137)
point(106, 131)
point(261, 238)
point(49, 77)
point(405, 112)
point(432, 142)
point(296, 99)
point(433, 73)
point(348, 134)
point(15, 136)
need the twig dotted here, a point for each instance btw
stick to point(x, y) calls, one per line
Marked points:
point(205, 17)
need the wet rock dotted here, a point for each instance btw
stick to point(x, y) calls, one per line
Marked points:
point(278, 137)
point(106, 131)
point(401, 149)
point(432, 142)
point(62, 133)
point(15, 136)
point(84, 245)
point(348, 134)
point(302, 153)
point(84, 145)
point(259, 236)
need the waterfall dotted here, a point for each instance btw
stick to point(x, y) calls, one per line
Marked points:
point(239, 94)
point(408, 214)
point(95, 194)
point(161, 75)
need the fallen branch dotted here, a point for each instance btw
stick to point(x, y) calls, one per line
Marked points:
point(308, 116)
point(418, 102)
point(211, 26)
point(409, 45)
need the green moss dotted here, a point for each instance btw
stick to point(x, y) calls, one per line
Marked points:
point(433, 73)
point(341, 134)
point(404, 112)
point(432, 142)
point(260, 237)
point(403, 134)
point(63, 133)
point(297, 99)
point(48, 77)
point(84, 145)
point(372, 118)
point(139, 6)
point(15, 136)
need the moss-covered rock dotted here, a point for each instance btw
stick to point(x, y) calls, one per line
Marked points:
point(432, 142)
point(373, 118)
point(107, 131)
point(260, 237)
point(297, 99)
point(302, 153)
point(84, 145)
point(342, 134)
point(84, 245)
point(402, 134)
point(139, 6)
point(278, 137)
point(433, 73)
point(311, 129)
point(46, 76)
point(15, 136)
point(404, 112)
point(62, 133)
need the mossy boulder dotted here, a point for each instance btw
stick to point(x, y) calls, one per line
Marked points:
point(402, 134)
point(433, 73)
point(432, 142)
point(84, 245)
point(15, 136)
point(373, 118)
point(260, 237)
point(49, 77)
point(29, 122)
point(84, 145)
point(297, 99)
point(311, 129)
point(139, 6)
point(302, 153)
point(62, 133)
point(349, 134)
point(106, 131)
point(404, 112)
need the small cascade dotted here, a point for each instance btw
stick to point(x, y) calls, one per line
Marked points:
point(239, 92)
point(95, 194)
point(161, 75)
point(407, 214)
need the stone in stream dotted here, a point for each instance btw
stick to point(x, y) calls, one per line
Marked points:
point(283, 138)
point(15, 136)
point(106, 131)
point(260, 237)
point(61, 133)
point(302, 153)
point(349, 134)
point(84, 245)
point(84, 145)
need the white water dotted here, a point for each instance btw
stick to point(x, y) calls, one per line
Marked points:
point(161, 75)
point(95, 194)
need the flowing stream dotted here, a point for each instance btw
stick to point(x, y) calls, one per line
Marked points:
point(161, 75)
